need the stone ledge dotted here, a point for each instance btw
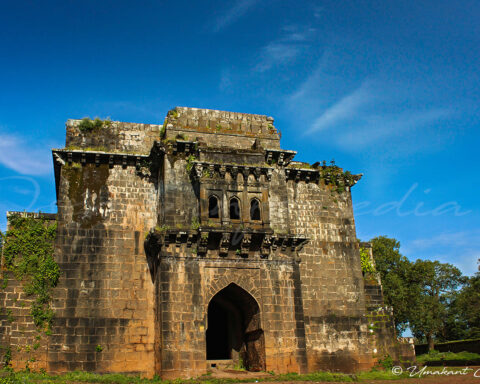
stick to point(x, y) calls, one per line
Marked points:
point(280, 157)
point(63, 156)
point(212, 169)
point(225, 240)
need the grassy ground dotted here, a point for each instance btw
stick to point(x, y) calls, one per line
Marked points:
point(438, 358)
point(8, 377)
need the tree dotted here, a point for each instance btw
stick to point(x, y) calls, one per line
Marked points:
point(394, 269)
point(436, 283)
point(465, 311)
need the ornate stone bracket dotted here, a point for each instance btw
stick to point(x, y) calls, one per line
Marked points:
point(202, 244)
point(205, 169)
point(182, 146)
point(225, 243)
point(280, 157)
point(300, 174)
point(246, 241)
point(314, 176)
point(64, 156)
point(256, 241)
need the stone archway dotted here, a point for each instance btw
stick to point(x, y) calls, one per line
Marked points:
point(234, 330)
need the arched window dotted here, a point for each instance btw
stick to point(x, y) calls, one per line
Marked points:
point(213, 207)
point(234, 209)
point(254, 209)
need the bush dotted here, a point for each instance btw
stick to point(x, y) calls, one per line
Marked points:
point(88, 125)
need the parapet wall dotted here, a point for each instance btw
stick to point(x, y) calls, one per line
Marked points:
point(216, 128)
point(113, 136)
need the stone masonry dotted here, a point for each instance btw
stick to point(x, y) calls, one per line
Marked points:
point(201, 243)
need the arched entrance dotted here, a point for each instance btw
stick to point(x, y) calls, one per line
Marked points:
point(234, 330)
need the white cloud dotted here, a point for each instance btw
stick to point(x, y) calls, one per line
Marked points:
point(285, 49)
point(372, 127)
point(225, 80)
point(23, 157)
point(456, 239)
point(234, 13)
point(458, 248)
point(353, 115)
point(346, 108)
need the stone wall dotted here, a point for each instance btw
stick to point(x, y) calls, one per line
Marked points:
point(113, 136)
point(19, 336)
point(221, 128)
point(104, 302)
point(331, 277)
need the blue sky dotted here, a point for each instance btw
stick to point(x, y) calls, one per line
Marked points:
point(386, 88)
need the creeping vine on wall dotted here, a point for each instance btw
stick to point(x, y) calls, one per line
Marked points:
point(190, 161)
point(366, 262)
point(28, 254)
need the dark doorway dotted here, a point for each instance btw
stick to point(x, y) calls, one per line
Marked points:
point(234, 330)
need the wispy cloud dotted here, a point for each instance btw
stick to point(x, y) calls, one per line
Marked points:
point(458, 248)
point(346, 108)
point(454, 239)
point(353, 111)
point(372, 127)
point(285, 49)
point(23, 156)
point(225, 80)
point(240, 8)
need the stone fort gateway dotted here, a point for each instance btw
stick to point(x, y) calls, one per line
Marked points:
point(201, 244)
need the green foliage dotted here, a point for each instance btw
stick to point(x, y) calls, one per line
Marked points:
point(240, 366)
point(88, 125)
point(463, 317)
point(394, 270)
point(162, 228)
point(207, 173)
point(366, 262)
point(99, 348)
point(434, 283)
point(386, 362)
point(335, 176)
point(190, 161)
point(8, 312)
point(436, 356)
point(195, 223)
point(28, 253)
point(7, 357)
point(97, 148)
point(423, 294)
point(218, 127)
point(173, 113)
